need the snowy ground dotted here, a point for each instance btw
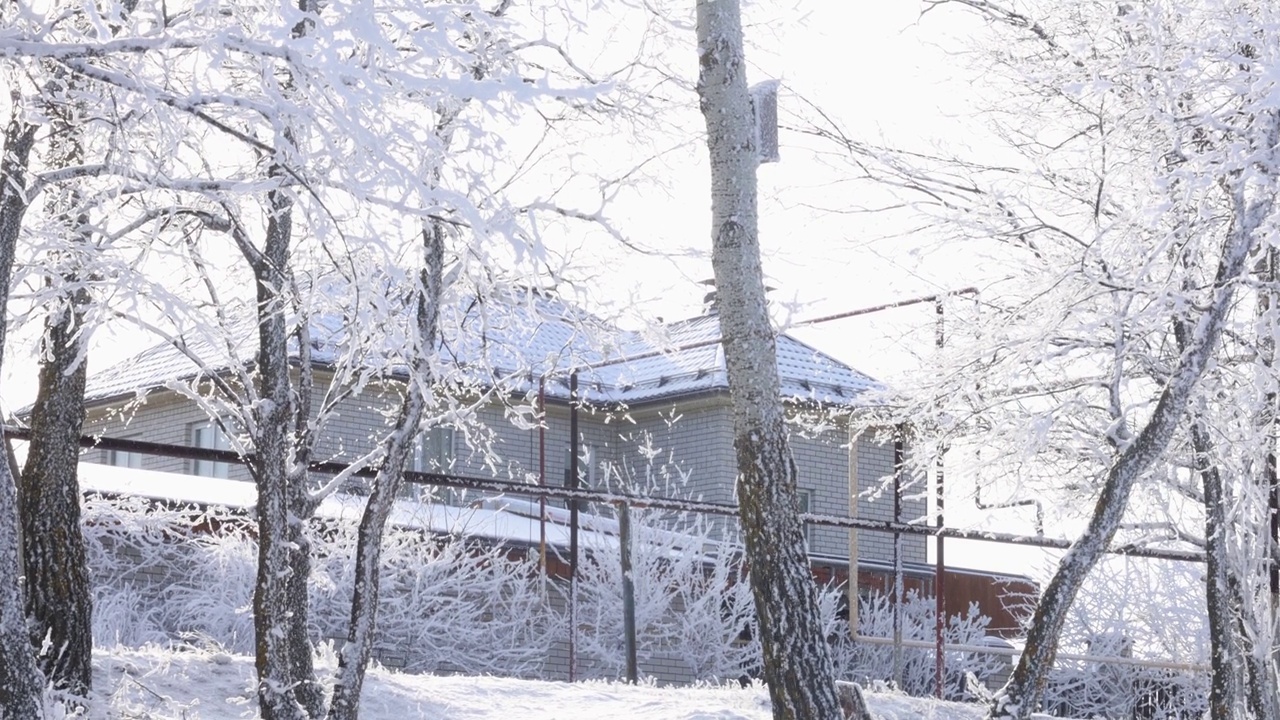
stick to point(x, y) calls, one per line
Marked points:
point(201, 685)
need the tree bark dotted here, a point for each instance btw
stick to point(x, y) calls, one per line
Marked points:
point(797, 661)
point(1224, 686)
point(1253, 645)
point(287, 689)
point(287, 686)
point(59, 604)
point(21, 684)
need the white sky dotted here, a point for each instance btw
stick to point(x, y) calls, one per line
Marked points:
point(885, 78)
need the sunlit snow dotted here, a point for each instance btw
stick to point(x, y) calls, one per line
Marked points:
point(201, 685)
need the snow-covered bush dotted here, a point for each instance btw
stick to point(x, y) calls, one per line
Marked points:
point(1139, 608)
point(864, 662)
point(692, 603)
point(445, 604)
point(187, 575)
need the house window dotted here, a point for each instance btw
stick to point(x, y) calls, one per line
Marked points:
point(806, 501)
point(210, 436)
point(434, 451)
point(122, 458)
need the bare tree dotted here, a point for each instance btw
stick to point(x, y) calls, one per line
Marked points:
point(272, 151)
point(58, 590)
point(399, 448)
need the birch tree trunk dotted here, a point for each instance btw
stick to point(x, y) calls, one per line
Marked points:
point(797, 661)
point(21, 684)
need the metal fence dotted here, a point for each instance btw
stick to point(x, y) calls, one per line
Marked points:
point(1151, 688)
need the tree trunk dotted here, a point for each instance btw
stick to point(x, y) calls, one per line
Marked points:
point(1259, 645)
point(1020, 696)
point(59, 604)
point(1224, 686)
point(287, 688)
point(354, 657)
point(797, 661)
point(21, 684)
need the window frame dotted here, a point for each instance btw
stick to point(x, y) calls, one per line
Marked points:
point(804, 499)
point(434, 450)
point(220, 441)
point(132, 460)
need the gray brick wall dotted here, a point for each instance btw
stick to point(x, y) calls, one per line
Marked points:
point(694, 444)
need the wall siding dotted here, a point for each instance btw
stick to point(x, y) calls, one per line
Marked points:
point(691, 444)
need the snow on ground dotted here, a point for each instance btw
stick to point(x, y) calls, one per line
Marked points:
point(200, 685)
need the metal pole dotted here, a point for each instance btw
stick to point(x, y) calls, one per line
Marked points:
point(898, 589)
point(1270, 303)
point(940, 569)
point(854, 489)
point(520, 488)
point(573, 526)
point(1273, 503)
point(886, 306)
point(542, 475)
point(939, 587)
point(628, 591)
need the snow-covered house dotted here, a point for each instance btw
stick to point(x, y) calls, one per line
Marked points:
point(656, 413)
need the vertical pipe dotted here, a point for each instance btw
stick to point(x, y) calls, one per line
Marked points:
point(542, 474)
point(854, 489)
point(939, 589)
point(898, 589)
point(573, 526)
point(940, 568)
point(628, 591)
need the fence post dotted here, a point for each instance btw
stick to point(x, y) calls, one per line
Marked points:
point(628, 590)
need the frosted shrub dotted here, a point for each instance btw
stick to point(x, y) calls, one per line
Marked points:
point(125, 617)
point(212, 601)
point(446, 604)
point(865, 662)
point(135, 550)
point(692, 605)
point(1146, 609)
point(449, 604)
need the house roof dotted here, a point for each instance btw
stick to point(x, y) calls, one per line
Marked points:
point(695, 363)
point(525, 337)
